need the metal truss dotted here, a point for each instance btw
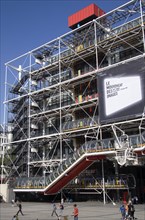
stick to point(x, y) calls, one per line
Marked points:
point(51, 95)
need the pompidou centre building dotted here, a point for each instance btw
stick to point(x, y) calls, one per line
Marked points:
point(76, 106)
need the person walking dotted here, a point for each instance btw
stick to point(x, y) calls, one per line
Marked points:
point(54, 210)
point(62, 201)
point(131, 210)
point(75, 212)
point(61, 207)
point(20, 209)
point(126, 210)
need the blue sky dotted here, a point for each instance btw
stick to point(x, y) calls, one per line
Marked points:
point(27, 24)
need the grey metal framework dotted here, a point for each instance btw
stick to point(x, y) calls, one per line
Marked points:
point(51, 99)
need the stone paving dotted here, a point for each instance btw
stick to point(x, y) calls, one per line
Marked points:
point(87, 211)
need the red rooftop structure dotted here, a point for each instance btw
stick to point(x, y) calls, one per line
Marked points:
point(84, 15)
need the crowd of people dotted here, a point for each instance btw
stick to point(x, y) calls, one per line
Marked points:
point(127, 211)
point(58, 211)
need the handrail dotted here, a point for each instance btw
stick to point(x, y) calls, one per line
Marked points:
point(25, 182)
point(112, 181)
point(89, 147)
point(20, 83)
point(102, 38)
point(80, 123)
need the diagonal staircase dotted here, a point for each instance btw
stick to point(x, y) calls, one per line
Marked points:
point(67, 170)
point(77, 162)
point(72, 171)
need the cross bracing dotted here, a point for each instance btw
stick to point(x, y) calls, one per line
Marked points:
point(52, 98)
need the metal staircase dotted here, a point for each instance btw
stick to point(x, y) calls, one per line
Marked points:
point(80, 160)
point(67, 170)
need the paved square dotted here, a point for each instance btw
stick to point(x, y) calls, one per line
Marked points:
point(87, 211)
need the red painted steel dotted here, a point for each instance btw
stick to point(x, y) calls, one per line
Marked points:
point(92, 11)
point(141, 152)
point(86, 162)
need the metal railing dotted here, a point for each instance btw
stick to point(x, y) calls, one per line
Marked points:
point(90, 147)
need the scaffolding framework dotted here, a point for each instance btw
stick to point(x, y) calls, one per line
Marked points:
point(52, 101)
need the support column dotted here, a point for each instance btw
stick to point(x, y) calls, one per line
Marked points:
point(117, 176)
point(29, 121)
point(103, 179)
point(142, 23)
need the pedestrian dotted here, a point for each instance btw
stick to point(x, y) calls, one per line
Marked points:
point(54, 208)
point(135, 200)
point(62, 201)
point(61, 207)
point(20, 209)
point(126, 210)
point(75, 212)
point(131, 210)
point(122, 210)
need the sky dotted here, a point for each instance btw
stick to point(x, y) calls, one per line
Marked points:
point(27, 24)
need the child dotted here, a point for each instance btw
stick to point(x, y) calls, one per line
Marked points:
point(123, 212)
